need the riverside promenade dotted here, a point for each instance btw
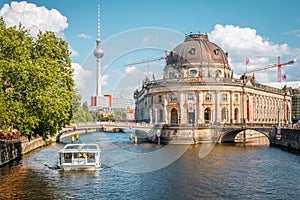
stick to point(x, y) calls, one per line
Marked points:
point(15, 148)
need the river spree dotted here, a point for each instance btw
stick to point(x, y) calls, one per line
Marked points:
point(150, 171)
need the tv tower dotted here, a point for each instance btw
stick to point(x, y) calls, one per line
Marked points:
point(98, 53)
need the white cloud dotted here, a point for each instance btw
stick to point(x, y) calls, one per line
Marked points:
point(241, 42)
point(33, 17)
point(80, 76)
point(130, 69)
point(295, 33)
point(84, 36)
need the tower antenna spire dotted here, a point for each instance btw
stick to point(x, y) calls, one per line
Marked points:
point(98, 53)
point(98, 21)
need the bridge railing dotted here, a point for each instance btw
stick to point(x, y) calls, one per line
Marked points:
point(219, 125)
point(114, 123)
point(161, 125)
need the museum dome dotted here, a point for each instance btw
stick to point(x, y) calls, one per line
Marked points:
point(198, 50)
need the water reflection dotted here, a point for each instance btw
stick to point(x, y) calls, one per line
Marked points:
point(251, 138)
point(228, 171)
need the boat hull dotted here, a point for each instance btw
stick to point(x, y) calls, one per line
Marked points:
point(79, 167)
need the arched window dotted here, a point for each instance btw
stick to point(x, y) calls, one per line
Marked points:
point(224, 115)
point(207, 115)
point(191, 112)
point(218, 73)
point(208, 97)
point(236, 114)
point(174, 116)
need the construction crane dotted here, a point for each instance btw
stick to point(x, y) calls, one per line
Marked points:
point(279, 65)
point(148, 61)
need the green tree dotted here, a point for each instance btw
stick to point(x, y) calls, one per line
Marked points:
point(16, 68)
point(37, 84)
point(102, 117)
point(76, 105)
point(81, 113)
point(55, 83)
point(85, 106)
point(120, 115)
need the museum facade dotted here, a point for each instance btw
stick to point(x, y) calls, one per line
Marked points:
point(198, 88)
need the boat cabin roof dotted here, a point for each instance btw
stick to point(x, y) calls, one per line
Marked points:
point(73, 148)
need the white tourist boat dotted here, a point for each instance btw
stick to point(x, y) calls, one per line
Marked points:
point(79, 157)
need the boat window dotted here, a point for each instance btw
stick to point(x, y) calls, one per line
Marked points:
point(91, 157)
point(68, 157)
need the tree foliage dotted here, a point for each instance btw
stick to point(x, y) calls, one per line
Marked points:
point(117, 115)
point(81, 113)
point(37, 84)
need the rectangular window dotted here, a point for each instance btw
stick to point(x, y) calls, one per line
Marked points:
point(173, 97)
point(159, 99)
point(208, 97)
point(171, 75)
point(236, 97)
point(224, 97)
point(190, 97)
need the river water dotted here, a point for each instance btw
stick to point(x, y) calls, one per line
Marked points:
point(151, 171)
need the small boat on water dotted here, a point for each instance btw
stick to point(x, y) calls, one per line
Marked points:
point(79, 157)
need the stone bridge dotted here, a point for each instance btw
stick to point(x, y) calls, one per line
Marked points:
point(111, 125)
point(203, 133)
point(227, 134)
point(221, 133)
point(142, 130)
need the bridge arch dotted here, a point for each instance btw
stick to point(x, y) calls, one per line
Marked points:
point(229, 135)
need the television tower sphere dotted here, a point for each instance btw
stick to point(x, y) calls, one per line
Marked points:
point(98, 52)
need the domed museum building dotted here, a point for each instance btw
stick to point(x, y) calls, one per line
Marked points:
point(198, 92)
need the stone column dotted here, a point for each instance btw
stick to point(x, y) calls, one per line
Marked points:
point(254, 108)
point(182, 114)
point(200, 113)
point(217, 109)
point(231, 111)
point(244, 107)
point(150, 115)
point(285, 110)
point(264, 108)
point(147, 107)
point(196, 96)
point(155, 114)
point(166, 116)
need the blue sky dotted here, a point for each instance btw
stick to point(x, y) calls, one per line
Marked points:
point(259, 29)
